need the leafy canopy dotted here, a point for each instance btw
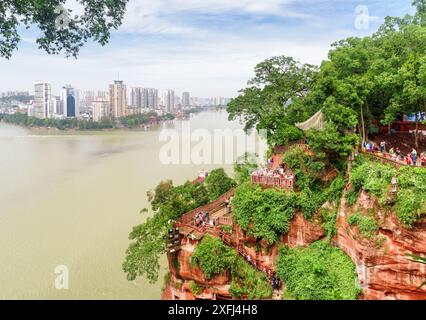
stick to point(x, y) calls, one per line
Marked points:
point(218, 183)
point(61, 30)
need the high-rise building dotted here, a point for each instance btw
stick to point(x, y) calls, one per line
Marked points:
point(88, 97)
point(152, 98)
point(42, 100)
point(100, 109)
point(56, 105)
point(70, 101)
point(169, 100)
point(117, 98)
point(186, 97)
point(218, 101)
point(136, 97)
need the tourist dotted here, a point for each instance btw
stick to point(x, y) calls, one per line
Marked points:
point(414, 158)
point(423, 159)
point(383, 146)
point(408, 160)
point(367, 146)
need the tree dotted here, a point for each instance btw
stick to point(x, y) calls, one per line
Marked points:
point(61, 30)
point(337, 140)
point(149, 238)
point(218, 183)
point(271, 100)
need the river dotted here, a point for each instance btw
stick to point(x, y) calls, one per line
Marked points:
point(72, 198)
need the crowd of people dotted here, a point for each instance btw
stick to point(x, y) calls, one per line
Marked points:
point(202, 219)
point(279, 172)
point(395, 154)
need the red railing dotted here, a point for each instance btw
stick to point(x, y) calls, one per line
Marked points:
point(189, 216)
point(384, 159)
point(282, 149)
point(225, 221)
point(279, 182)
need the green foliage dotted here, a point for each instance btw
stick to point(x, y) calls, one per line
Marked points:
point(136, 120)
point(307, 169)
point(263, 213)
point(329, 222)
point(95, 22)
point(313, 191)
point(375, 178)
point(195, 288)
point(319, 272)
point(218, 183)
point(227, 229)
point(214, 258)
point(335, 146)
point(367, 225)
point(149, 238)
point(248, 282)
point(243, 167)
point(270, 101)
point(81, 124)
point(351, 196)
point(61, 124)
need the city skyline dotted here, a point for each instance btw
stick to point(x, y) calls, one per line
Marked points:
point(210, 47)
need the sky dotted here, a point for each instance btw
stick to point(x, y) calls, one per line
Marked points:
point(206, 47)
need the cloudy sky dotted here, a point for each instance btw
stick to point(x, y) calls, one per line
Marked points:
point(207, 47)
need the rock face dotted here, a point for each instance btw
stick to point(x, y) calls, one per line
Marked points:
point(384, 269)
point(182, 274)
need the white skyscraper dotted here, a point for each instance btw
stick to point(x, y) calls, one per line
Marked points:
point(42, 100)
point(169, 100)
point(186, 99)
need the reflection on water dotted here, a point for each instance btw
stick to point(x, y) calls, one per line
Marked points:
point(71, 199)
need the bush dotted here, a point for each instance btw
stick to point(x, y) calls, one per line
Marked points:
point(375, 178)
point(367, 226)
point(329, 223)
point(262, 213)
point(195, 288)
point(319, 272)
point(214, 257)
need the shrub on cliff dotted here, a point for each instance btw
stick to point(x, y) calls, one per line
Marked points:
point(319, 272)
point(309, 172)
point(375, 178)
point(264, 214)
point(367, 225)
point(214, 258)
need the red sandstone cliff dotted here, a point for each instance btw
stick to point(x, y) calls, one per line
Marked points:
point(384, 270)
